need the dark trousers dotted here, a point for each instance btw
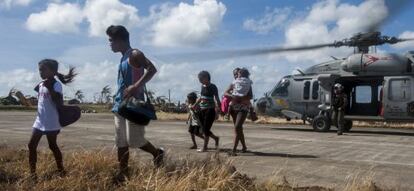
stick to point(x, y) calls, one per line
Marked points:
point(338, 119)
point(207, 118)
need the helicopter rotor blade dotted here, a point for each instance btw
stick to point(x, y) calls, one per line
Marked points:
point(405, 39)
point(223, 54)
point(394, 7)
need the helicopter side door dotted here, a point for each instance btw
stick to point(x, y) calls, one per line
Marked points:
point(311, 97)
point(398, 93)
point(305, 96)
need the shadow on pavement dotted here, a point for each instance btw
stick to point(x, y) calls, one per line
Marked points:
point(266, 154)
point(257, 153)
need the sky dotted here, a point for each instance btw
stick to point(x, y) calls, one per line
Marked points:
point(73, 32)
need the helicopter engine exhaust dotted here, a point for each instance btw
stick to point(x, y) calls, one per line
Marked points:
point(377, 63)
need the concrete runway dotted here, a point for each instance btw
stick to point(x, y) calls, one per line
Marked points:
point(305, 157)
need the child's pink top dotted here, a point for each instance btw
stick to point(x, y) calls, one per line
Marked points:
point(225, 103)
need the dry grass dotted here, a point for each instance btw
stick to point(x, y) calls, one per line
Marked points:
point(172, 116)
point(396, 125)
point(94, 170)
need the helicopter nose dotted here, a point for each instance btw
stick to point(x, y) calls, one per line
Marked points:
point(262, 105)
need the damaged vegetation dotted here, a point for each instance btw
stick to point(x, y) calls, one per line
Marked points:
point(95, 170)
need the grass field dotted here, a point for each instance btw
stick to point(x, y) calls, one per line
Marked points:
point(94, 170)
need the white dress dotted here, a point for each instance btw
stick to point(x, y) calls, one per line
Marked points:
point(47, 115)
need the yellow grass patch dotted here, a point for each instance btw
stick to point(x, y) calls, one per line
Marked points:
point(95, 170)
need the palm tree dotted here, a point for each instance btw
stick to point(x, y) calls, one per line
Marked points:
point(96, 97)
point(161, 100)
point(151, 96)
point(79, 95)
point(105, 94)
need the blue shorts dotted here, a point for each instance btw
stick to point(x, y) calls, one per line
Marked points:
point(37, 131)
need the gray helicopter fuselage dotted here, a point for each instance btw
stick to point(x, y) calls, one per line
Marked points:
point(386, 81)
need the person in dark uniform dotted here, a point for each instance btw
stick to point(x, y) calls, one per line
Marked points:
point(339, 104)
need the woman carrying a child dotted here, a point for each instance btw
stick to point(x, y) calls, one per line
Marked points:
point(240, 92)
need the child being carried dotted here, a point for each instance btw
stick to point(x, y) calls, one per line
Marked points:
point(242, 86)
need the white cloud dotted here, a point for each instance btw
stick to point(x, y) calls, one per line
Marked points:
point(10, 3)
point(264, 77)
point(103, 13)
point(95, 53)
point(167, 24)
point(194, 24)
point(21, 79)
point(67, 17)
point(272, 19)
point(180, 78)
point(188, 25)
point(328, 21)
point(57, 18)
point(408, 44)
point(93, 77)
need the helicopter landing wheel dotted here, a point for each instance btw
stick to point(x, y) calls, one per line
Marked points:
point(347, 125)
point(321, 123)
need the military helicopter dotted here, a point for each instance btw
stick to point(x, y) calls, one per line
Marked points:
point(379, 86)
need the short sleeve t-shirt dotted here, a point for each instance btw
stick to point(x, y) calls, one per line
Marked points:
point(207, 96)
point(127, 75)
point(47, 115)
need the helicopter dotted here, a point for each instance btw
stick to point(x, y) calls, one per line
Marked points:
point(379, 86)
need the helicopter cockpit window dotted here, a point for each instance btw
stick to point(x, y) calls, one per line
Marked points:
point(281, 88)
point(306, 90)
point(315, 90)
